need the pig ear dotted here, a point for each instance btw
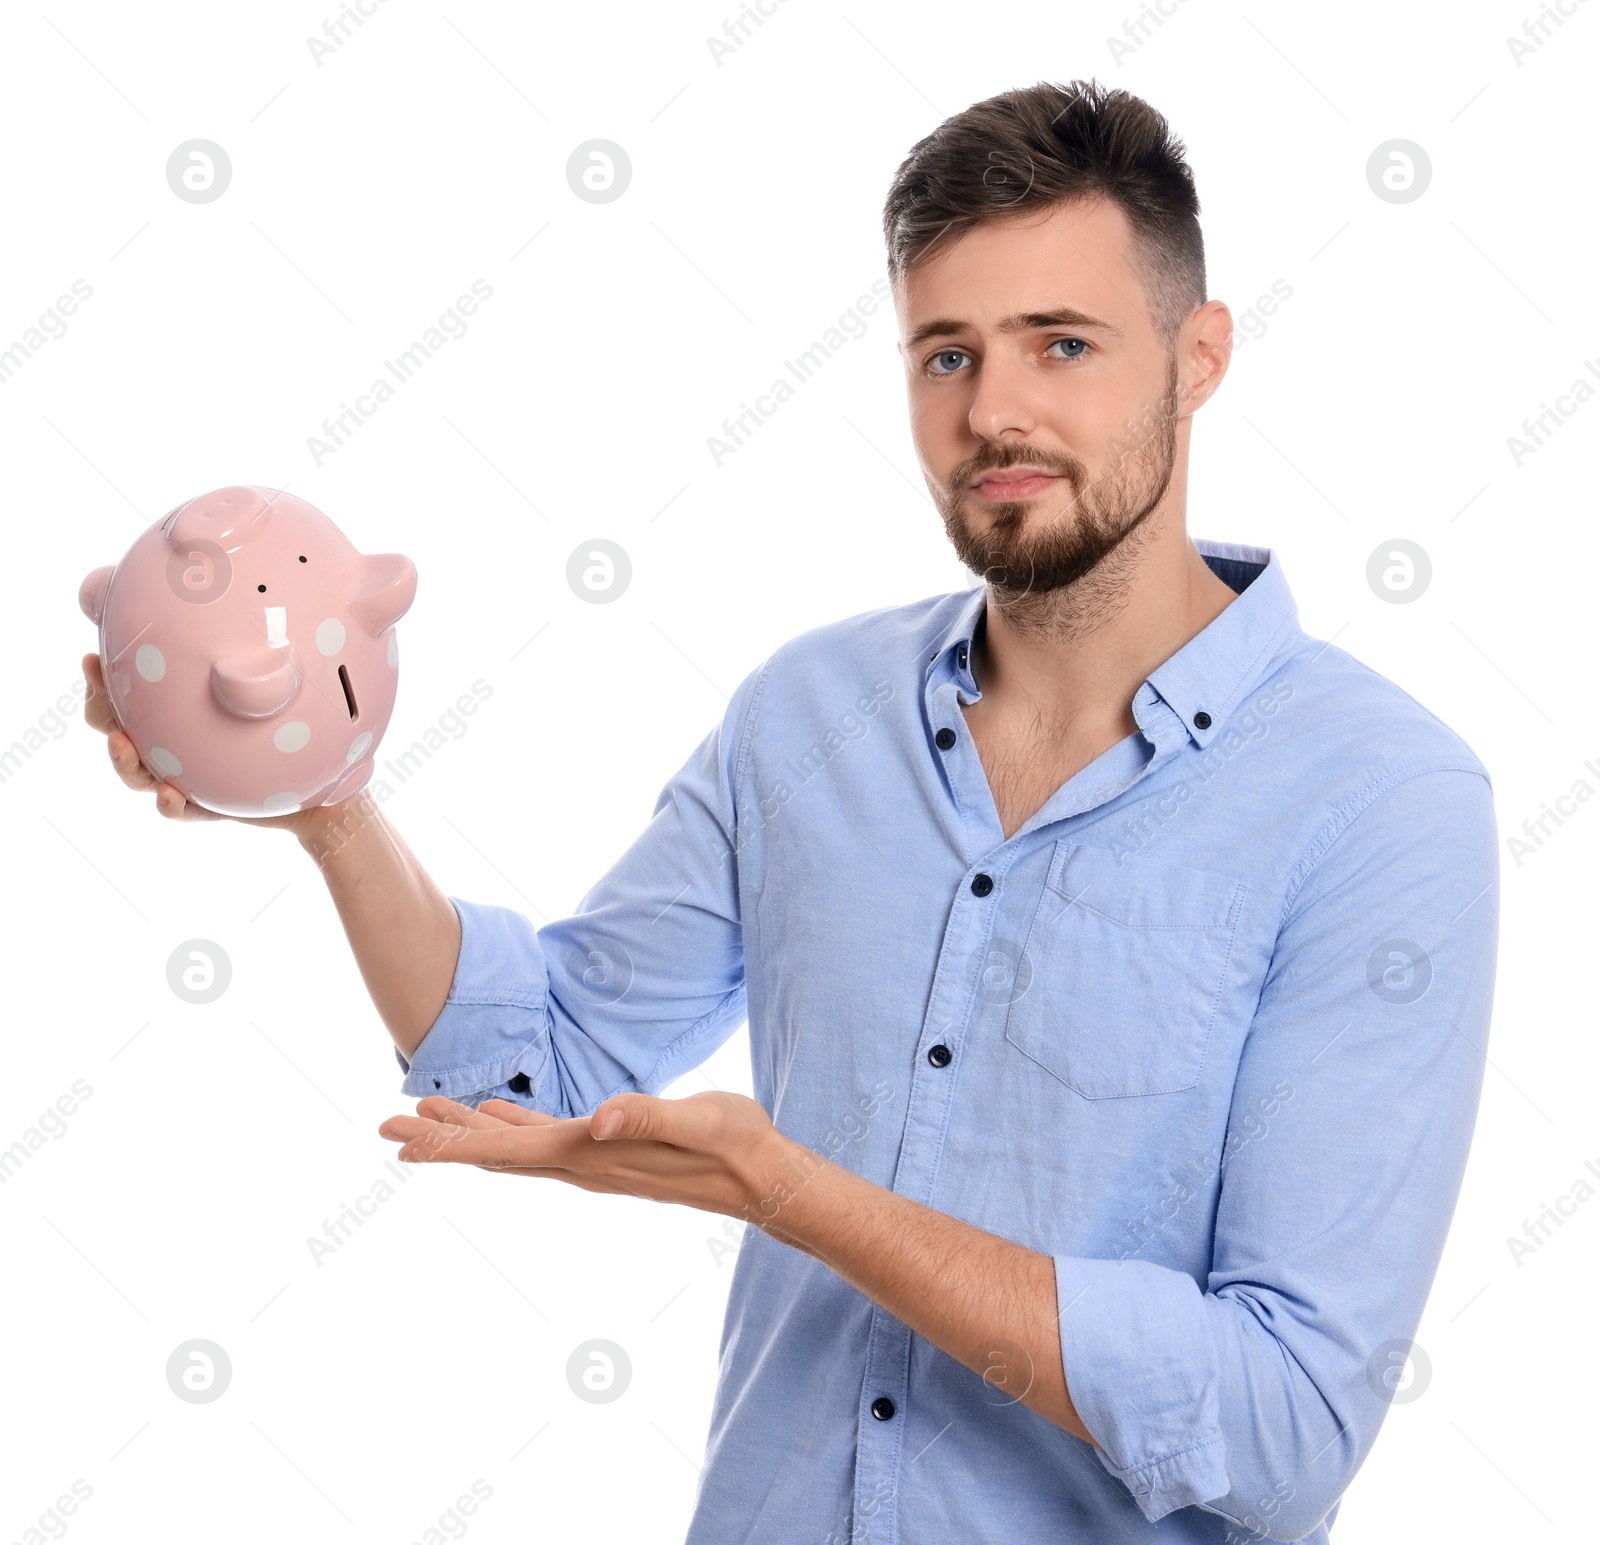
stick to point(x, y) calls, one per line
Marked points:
point(388, 586)
point(256, 685)
point(92, 594)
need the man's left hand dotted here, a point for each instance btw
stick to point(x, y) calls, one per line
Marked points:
point(715, 1150)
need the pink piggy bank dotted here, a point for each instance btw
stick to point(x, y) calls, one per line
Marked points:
point(249, 651)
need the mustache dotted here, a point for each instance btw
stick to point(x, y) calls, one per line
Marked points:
point(997, 458)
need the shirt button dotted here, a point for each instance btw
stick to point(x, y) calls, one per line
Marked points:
point(961, 657)
point(945, 739)
point(883, 1408)
point(981, 885)
point(519, 1083)
point(939, 1056)
point(1202, 720)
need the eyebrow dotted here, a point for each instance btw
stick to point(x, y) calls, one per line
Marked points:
point(1023, 321)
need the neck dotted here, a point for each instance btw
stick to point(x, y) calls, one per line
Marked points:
point(1073, 659)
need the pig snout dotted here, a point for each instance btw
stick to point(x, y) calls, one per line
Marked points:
point(256, 685)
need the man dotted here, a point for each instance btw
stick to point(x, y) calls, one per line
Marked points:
point(1117, 959)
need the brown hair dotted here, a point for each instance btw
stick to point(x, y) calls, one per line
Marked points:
point(1043, 145)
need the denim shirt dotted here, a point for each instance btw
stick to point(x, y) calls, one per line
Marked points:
point(1208, 1030)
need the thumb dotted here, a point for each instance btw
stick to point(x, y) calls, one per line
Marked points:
point(624, 1115)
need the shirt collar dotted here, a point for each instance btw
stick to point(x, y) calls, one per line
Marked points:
point(1220, 666)
point(956, 644)
point(1210, 675)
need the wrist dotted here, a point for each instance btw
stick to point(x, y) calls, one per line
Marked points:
point(326, 830)
point(779, 1184)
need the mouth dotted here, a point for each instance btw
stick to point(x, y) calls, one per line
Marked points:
point(1013, 484)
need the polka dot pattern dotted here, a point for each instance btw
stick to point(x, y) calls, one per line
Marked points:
point(394, 649)
point(150, 662)
point(292, 736)
point(281, 801)
point(165, 762)
point(330, 636)
point(358, 747)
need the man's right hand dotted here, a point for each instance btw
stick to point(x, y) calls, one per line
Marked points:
point(402, 928)
point(170, 801)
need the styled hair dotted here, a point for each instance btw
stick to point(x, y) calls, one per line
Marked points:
point(1039, 146)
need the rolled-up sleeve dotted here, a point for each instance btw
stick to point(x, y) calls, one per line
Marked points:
point(642, 982)
point(1258, 1394)
point(495, 1023)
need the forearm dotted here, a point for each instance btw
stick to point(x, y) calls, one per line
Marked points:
point(986, 1301)
point(402, 928)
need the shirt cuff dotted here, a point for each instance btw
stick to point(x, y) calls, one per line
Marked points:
point(494, 1023)
point(1142, 1373)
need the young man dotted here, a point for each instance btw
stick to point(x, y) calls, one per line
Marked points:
point(1117, 958)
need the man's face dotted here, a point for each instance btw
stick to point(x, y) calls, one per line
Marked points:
point(1042, 398)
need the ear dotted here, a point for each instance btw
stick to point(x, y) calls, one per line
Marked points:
point(257, 685)
point(92, 594)
point(388, 587)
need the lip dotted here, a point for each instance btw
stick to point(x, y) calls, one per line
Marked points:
point(1014, 483)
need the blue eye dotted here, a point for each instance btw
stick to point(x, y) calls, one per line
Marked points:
point(945, 354)
point(1078, 341)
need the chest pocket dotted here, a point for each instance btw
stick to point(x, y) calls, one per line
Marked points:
point(1125, 968)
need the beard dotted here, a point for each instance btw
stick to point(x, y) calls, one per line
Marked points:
point(1031, 551)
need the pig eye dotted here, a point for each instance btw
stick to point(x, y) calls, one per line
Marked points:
point(302, 557)
point(261, 587)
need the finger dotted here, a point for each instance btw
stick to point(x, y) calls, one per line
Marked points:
point(97, 704)
point(704, 1120)
point(501, 1147)
point(649, 1117)
point(438, 1107)
point(125, 758)
point(518, 1115)
point(97, 712)
point(410, 1129)
point(440, 1121)
point(170, 802)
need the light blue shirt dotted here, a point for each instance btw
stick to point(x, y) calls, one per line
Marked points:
point(1208, 1030)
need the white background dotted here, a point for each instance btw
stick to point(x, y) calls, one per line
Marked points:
point(367, 193)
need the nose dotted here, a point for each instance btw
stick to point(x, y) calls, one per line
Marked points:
point(1004, 398)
